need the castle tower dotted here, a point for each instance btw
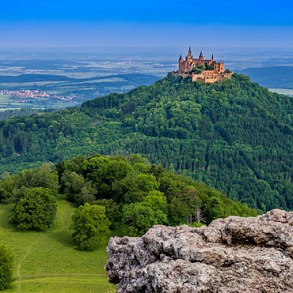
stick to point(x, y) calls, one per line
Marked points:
point(201, 56)
point(189, 52)
point(221, 66)
point(181, 65)
point(212, 57)
point(189, 57)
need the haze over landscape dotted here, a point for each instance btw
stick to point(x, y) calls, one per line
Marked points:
point(155, 120)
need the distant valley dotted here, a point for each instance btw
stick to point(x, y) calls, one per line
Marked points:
point(278, 78)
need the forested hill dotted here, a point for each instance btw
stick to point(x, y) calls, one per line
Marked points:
point(235, 136)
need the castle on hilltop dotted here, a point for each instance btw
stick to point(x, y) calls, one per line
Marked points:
point(206, 70)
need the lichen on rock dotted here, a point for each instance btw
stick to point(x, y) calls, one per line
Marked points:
point(230, 255)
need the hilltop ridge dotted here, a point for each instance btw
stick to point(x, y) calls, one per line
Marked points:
point(235, 136)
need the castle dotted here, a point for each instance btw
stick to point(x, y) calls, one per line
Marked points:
point(213, 71)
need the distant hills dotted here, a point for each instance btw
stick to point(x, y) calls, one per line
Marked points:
point(271, 77)
point(81, 89)
point(235, 136)
point(23, 78)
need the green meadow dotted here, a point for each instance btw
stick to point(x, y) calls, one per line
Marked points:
point(49, 261)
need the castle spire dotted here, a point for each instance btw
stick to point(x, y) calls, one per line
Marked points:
point(180, 58)
point(201, 55)
point(212, 56)
point(189, 53)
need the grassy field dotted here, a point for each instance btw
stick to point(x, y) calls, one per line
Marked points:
point(49, 261)
point(4, 99)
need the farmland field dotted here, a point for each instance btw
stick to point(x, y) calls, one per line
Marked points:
point(287, 92)
point(4, 99)
point(49, 261)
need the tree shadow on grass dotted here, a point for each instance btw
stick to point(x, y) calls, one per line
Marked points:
point(63, 237)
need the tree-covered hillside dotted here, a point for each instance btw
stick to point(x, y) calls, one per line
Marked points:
point(132, 192)
point(235, 136)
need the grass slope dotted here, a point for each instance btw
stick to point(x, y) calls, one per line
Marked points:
point(49, 261)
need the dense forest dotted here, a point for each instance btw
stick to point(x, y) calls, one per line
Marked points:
point(235, 136)
point(24, 111)
point(133, 192)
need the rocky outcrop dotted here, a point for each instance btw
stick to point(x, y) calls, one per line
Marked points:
point(230, 255)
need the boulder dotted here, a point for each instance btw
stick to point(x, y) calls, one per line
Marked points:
point(230, 255)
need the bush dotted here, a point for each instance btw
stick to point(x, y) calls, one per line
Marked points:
point(89, 222)
point(202, 67)
point(6, 267)
point(196, 70)
point(36, 210)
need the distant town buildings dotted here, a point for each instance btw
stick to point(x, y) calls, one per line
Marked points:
point(34, 94)
point(211, 71)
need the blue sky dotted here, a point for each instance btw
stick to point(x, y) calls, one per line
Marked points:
point(82, 23)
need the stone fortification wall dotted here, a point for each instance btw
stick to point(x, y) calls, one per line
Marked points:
point(206, 76)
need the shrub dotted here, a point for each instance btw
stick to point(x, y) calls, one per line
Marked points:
point(6, 267)
point(36, 210)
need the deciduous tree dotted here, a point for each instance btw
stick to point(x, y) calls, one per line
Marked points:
point(89, 225)
point(36, 210)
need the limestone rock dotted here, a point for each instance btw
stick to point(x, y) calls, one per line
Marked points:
point(230, 255)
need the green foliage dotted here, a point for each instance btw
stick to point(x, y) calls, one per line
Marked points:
point(6, 267)
point(143, 215)
point(235, 136)
point(211, 67)
point(141, 195)
point(25, 111)
point(197, 70)
point(147, 182)
point(112, 210)
point(36, 210)
point(89, 222)
point(227, 70)
point(202, 67)
point(12, 188)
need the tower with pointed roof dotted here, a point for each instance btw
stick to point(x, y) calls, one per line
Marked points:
point(201, 56)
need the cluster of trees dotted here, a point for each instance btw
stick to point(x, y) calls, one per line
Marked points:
point(141, 195)
point(111, 191)
point(33, 192)
point(235, 136)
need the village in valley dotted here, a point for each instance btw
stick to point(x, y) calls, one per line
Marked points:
point(24, 95)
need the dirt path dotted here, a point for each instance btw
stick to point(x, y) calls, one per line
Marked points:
point(59, 275)
point(19, 277)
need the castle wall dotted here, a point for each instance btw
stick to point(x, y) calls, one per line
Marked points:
point(206, 76)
